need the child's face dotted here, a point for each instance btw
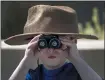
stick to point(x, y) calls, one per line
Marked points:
point(54, 57)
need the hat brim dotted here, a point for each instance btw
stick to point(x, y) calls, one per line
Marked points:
point(21, 39)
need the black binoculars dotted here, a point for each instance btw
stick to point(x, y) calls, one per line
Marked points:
point(49, 41)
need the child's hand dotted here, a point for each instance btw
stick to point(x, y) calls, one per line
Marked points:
point(72, 47)
point(31, 53)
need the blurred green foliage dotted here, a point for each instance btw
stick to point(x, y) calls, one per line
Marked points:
point(95, 29)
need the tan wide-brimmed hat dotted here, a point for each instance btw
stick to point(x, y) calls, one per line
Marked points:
point(46, 19)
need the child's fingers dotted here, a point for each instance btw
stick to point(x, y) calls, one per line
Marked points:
point(68, 40)
point(66, 37)
point(33, 45)
point(35, 38)
point(66, 43)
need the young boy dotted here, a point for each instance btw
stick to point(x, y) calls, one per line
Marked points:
point(54, 34)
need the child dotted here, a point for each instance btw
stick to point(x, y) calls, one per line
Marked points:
point(54, 34)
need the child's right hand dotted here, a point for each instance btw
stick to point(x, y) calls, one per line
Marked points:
point(31, 53)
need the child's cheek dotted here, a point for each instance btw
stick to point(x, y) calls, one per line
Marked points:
point(42, 54)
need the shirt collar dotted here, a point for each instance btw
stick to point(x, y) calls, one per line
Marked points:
point(53, 72)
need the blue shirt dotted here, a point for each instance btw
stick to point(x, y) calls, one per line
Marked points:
point(51, 74)
point(66, 72)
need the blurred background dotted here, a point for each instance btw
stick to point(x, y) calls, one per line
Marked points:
point(91, 20)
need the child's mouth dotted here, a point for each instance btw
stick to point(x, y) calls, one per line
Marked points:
point(52, 57)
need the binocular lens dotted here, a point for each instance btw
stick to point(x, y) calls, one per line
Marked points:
point(42, 43)
point(54, 43)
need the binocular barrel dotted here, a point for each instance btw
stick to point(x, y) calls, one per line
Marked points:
point(49, 42)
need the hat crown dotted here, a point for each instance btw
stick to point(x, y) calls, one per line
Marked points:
point(48, 19)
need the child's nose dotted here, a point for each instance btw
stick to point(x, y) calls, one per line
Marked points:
point(50, 50)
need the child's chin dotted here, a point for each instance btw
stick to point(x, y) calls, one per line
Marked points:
point(53, 63)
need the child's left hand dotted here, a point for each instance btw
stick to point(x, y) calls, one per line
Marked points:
point(72, 47)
